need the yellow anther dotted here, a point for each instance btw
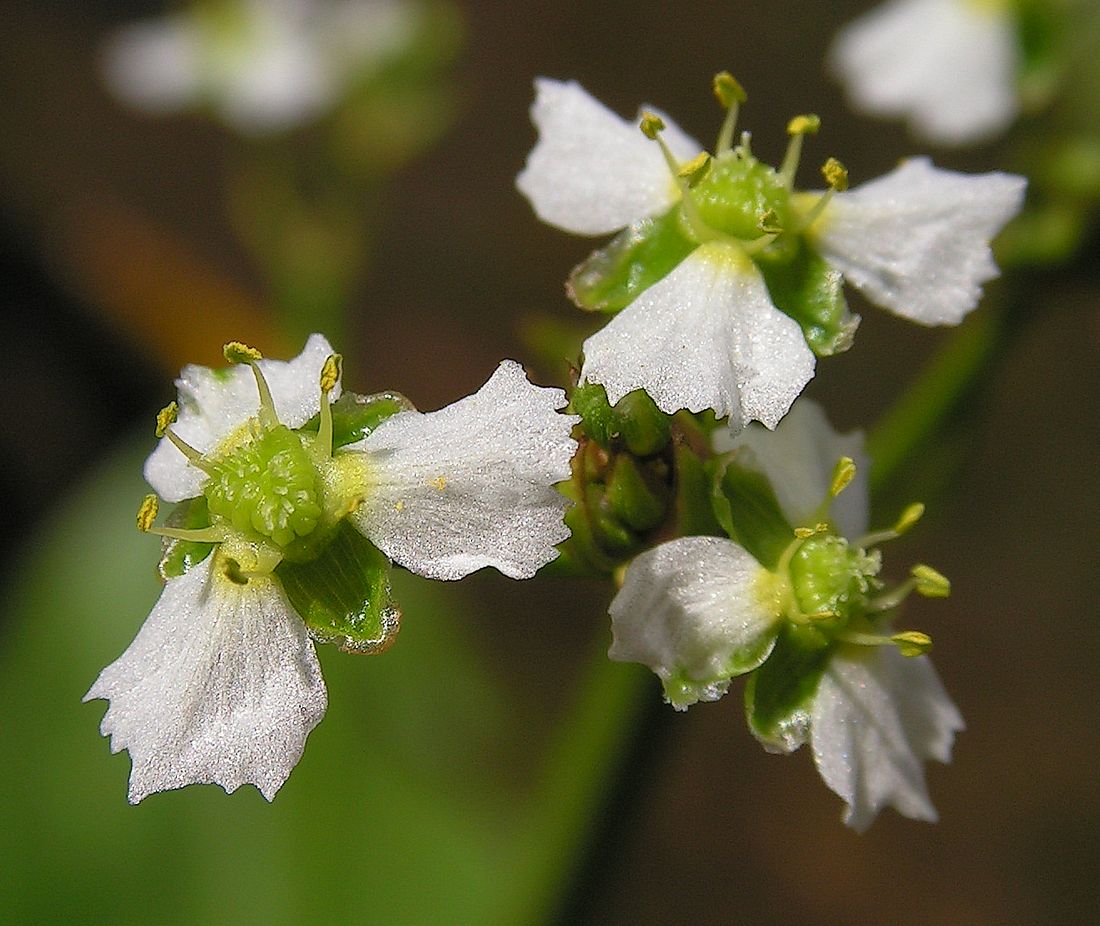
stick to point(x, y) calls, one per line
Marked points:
point(909, 517)
point(330, 372)
point(147, 513)
point(440, 482)
point(912, 642)
point(166, 417)
point(696, 169)
point(399, 506)
point(651, 125)
point(768, 222)
point(236, 352)
point(929, 582)
point(835, 174)
point(728, 90)
point(803, 532)
point(843, 474)
point(804, 125)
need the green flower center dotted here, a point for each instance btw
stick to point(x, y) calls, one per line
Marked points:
point(266, 484)
point(831, 577)
point(740, 195)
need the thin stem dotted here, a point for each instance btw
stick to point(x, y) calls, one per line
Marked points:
point(583, 766)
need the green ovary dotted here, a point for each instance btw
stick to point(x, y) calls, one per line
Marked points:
point(738, 193)
point(267, 485)
point(829, 575)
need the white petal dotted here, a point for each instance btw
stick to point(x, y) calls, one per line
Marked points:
point(706, 336)
point(798, 458)
point(214, 403)
point(154, 65)
point(471, 485)
point(877, 717)
point(693, 610)
point(220, 686)
point(957, 83)
point(917, 240)
point(592, 172)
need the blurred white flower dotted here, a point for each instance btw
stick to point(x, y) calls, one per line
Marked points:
point(700, 611)
point(948, 66)
point(261, 65)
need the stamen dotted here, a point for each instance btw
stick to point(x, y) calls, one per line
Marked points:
point(198, 534)
point(330, 376)
point(147, 513)
point(768, 223)
point(929, 582)
point(857, 638)
point(843, 474)
point(652, 125)
point(194, 457)
point(166, 417)
point(758, 245)
point(912, 643)
point(909, 517)
point(695, 170)
point(891, 599)
point(798, 127)
point(836, 175)
point(731, 95)
point(236, 352)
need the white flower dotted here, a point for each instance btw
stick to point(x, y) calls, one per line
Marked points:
point(700, 610)
point(949, 66)
point(262, 65)
point(707, 333)
point(222, 684)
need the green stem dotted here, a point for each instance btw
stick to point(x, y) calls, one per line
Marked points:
point(582, 764)
point(933, 396)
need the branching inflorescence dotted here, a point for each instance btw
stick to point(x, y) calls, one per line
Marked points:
point(733, 517)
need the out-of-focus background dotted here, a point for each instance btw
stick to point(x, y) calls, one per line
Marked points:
point(418, 798)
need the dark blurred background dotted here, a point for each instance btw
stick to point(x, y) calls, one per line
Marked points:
point(120, 264)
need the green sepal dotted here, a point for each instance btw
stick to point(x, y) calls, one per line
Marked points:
point(613, 536)
point(344, 594)
point(635, 421)
point(779, 695)
point(179, 556)
point(747, 509)
point(354, 416)
point(694, 511)
point(636, 495)
point(811, 292)
point(614, 276)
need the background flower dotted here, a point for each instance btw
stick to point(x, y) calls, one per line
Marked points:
point(949, 67)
